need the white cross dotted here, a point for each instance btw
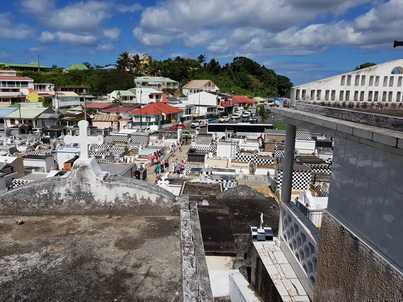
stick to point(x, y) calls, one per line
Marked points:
point(83, 139)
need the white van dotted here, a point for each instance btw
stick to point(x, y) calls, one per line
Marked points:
point(151, 129)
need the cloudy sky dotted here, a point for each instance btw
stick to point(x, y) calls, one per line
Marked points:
point(305, 40)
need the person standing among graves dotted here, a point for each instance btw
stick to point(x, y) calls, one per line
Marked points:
point(157, 169)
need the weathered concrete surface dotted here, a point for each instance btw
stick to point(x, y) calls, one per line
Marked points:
point(86, 190)
point(93, 237)
point(90, 258)
point(196, 281)
point(348, 270)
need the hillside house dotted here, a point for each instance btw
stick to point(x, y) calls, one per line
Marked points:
point(196, 86)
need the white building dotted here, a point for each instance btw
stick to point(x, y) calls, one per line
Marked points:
point(156, 82)
point(379, 84)
point(203, 102)
point(196, 86)
point(13, 89)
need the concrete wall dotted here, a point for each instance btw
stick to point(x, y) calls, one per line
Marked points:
point(366, 183)
point(349, 270)
point(261, 281)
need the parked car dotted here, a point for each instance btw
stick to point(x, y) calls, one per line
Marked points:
point(252, 120)
point(199, 124)
point(223, 119)
point(246, 114)
point(211, 120)
point(176, 126)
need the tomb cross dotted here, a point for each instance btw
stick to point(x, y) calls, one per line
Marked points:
point(83, 139)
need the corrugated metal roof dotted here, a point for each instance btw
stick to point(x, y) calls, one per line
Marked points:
point(154, 79)
point(26, 113)
point(196, 84)
point(105, 118)
point(6, 111)
point(124, 92)
point(99, 105)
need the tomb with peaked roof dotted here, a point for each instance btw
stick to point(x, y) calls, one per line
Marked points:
point(95, 236)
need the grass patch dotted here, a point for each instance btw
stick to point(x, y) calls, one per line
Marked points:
point(280, 126)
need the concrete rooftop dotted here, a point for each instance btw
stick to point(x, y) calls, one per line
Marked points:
point(124, 257)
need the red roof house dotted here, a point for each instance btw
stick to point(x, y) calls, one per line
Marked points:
point(242, 100)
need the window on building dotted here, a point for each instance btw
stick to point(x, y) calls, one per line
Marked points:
point(399, 81)
point(341, 96)
point(297, 94)
point(391, 81)
point(377, 81)
point(318, 94)
point(376, 96)
point(385, 81)
point(333, 95)
point(349, 80)
point(370, 93)
point(303, 94)
point(327, 95)
point(343, 80)
point(355, 96)
point(398, 96)
point(312, 94)
point(390, 95)
point(384, 96)
point(361, 96)
point(371, 81)
point(363, 80)
point(357, 80)
point(347, 95)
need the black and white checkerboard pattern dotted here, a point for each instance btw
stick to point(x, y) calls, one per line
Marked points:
point(301, 179)
point(117, 139)
point(279, 152)
point(254, 158)
point(19, 182)
point(321, 168)
point(140, 139)
point(303, 135)
point(39, 153)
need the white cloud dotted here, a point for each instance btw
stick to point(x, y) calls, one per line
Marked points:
point(152, 39)
point(128, 8)
point(105, 48)
point(83, 17)
point(263, 27)
point(47, 36)
point(13, 31)
point(85, 40)
point(112, 33)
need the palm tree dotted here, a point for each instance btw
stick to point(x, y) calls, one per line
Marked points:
point(154, 68)
point(201, 59)
point(124, 61)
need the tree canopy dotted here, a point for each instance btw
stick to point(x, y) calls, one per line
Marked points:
point(365, 65)
point(242, 76)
